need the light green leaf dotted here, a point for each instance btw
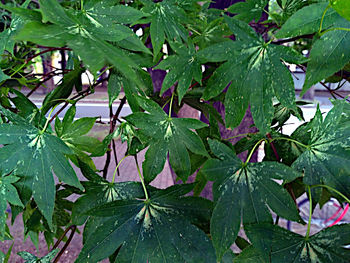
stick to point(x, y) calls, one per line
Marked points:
point(342, 7)
point(245, 191)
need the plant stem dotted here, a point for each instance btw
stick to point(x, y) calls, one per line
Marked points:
point(171, 104)
point(48, 120)
point(141, 178)
point(291, 140)
point(310, 214)
point(335, 28)
point(238, 135)
point(332, 189)
point(116, 168)
point(253, 150)
point(323, 15)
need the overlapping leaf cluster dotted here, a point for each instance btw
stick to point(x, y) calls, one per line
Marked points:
point(223, 66)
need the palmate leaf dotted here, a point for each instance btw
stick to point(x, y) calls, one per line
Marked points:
point(166, 135)
point(183, 67)
point(99, 191)
point(167, 20)
point(327, 155)
point(280, 245)
point(249, 10)
point(307, 20)
point(245, 191)
point(155, 230)
point(84, 34)
point(30, 258)
point(35, 155)
point(256, 74)
point(8, 194)
point(323, 65)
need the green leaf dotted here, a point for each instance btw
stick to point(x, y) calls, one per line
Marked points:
point(79, 127)
point(280, 245)
point(53, 12)
point(323, 65)
point(255, 74)
point(36, 155)
point(326, 158)
point(249, 10)
point(8, 194)
point(342, 7)
point(120, 14)
point(30, 258)
point(171, 135)
point(84, 35)
point(166, 22)
point(99, 193)
point(308, 20)
point(64, 90)
point(184, 66)
point(156, 230)
point(245, 191)
point(115, 84)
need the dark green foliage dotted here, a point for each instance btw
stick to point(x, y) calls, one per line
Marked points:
point(223, 66)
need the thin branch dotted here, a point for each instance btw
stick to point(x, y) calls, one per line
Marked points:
point(45, 51)
point(112, 125)
point(81, 94)
point(282, 41)
point(72, 228)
